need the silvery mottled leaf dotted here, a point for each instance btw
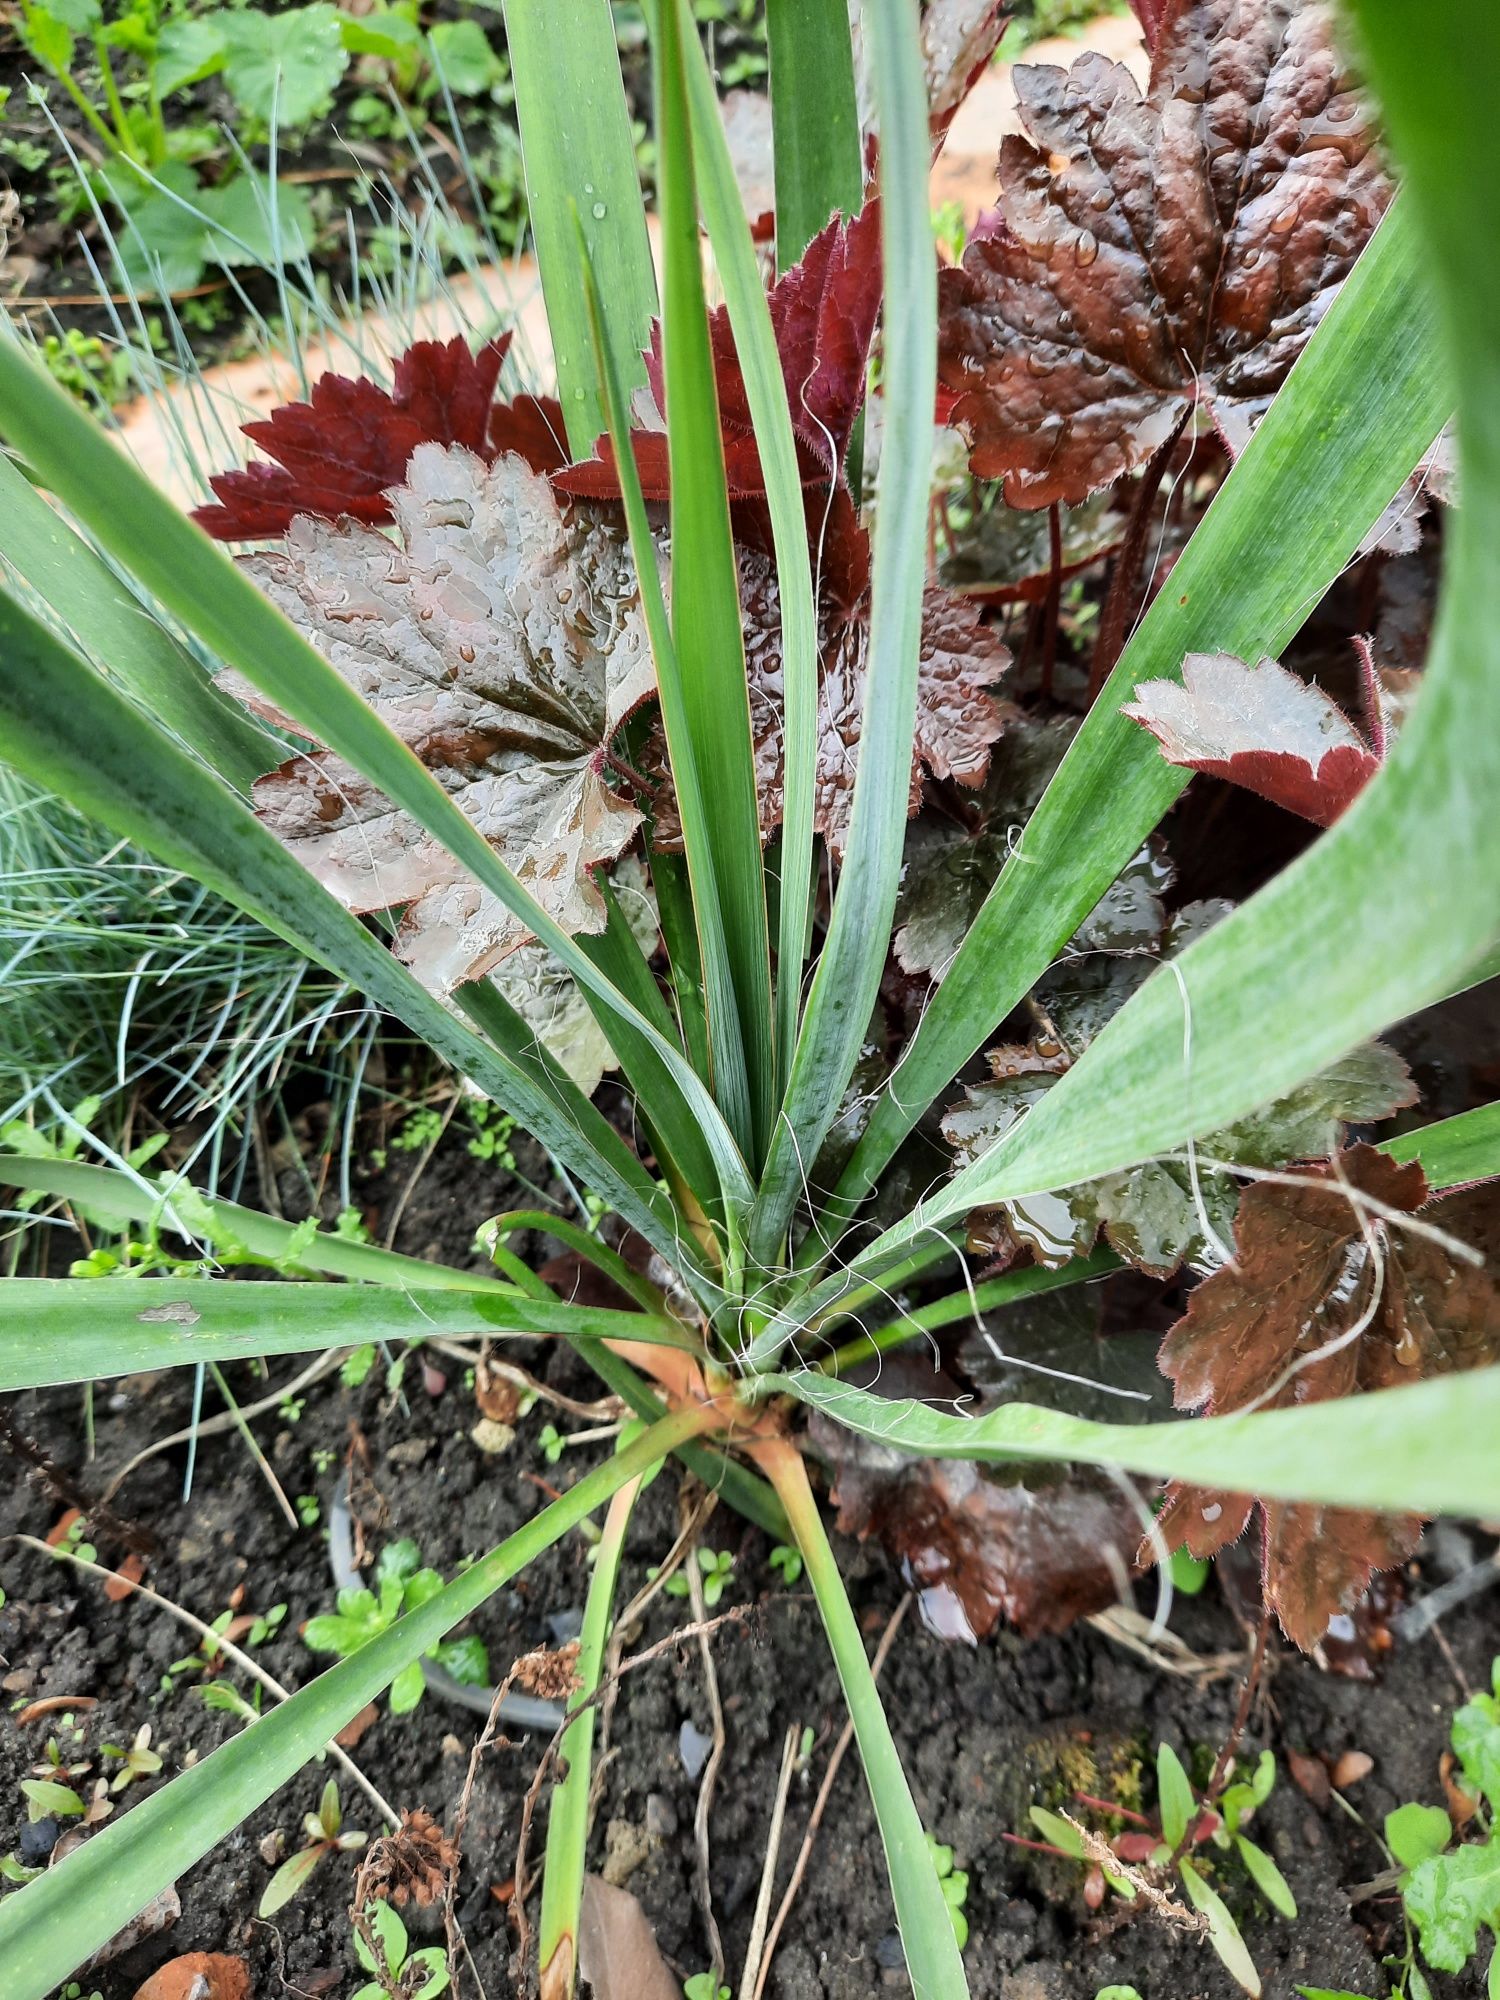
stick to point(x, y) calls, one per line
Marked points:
point(1261, 727)
point(504, 644)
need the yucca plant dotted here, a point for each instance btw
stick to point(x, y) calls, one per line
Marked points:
point(740, 1059)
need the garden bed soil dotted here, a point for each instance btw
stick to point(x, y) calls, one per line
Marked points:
point(983, 1731)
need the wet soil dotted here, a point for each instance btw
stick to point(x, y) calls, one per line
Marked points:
point(984, 1731)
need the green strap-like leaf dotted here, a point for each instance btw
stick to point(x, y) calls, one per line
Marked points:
point(58, 1921)
point(85, 1329)
point(1465, 1148)
point(195, 580)
point(765, 386)
point(927, 1937)
point(578, 153)
point(722, 1059)
point(1362, 404)
point(131, 1199)
point(706, 623)
point(854, 953)
point(72, 732)
point(117, 630)
point(1429, 1449)
point(814, 120)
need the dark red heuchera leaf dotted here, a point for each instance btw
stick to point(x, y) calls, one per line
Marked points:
point(977, 1548)
point(340, 454)
point(1153, 16)
point(823, 313)
point(1260, 727)
point(1159, 251)
point(1265, 1332)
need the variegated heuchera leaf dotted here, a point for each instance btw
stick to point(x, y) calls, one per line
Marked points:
point(505, 645)
point(1260, 727)
point(1158, 253)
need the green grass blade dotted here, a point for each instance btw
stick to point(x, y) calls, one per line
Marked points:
point(114, 628)
point(932, 1955)
point(968, 1304)
point(195, 580)
point(1364, 401)
point(58, 1921)
point(577, 150)
point(568, 1810)
point(709, 947)
point(69, 731)
point(848, 977)
point(760, 364)
point(1429, 1449)
point(706, 625)
point(84, 1329)
point(239, 1234)
point(674, 905)
point(814, 120)
point(1465, 1148)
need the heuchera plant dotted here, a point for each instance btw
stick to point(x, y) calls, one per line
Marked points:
point(824, 808)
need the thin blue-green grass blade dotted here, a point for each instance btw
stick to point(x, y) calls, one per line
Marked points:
point(1455, 1150)
point(115, 628)
point(1364, 401)
point(196, 581)
point(814, 120)
point(236, 1234)
point(1428, 1449)
point(705, 598)
point(710, 949)
point(577, 149)
point(84, 1329)
point(847, 980)
point(60, 1920)
point(70, 731)
point(922, 1916)
point(760, 365)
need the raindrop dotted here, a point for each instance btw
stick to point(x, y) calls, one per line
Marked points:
point(1280, 224)
point(600, 211)
point(1086, 249)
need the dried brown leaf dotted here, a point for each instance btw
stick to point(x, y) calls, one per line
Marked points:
point(1157, 251)
point(1317, 1305)
point(198, 1975)
point(617, 1950)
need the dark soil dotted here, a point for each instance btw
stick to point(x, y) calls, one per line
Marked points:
point(984, 1732)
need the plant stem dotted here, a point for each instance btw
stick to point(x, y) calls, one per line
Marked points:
point(932, 1954)
point(1116, 613)
point(568, 1820)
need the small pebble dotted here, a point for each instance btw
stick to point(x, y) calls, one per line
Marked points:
point(888, 1953)
point(38, 1838)
point(693, 1748)
point(1351, 1767)
point(565, 1625)
point(661, 1817)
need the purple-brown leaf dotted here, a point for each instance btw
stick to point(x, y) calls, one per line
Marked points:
point(1150, 252)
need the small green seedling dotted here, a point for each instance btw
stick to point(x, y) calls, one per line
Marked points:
point(47, 1799)
point(309, 1511)
point(401, 1585)
point(383, 1949)
point(551, 1443)
point(954, 1883)
point(787, 1562)
point(355, 1371)
point(1117, 1993)
point(1450, 1891)
point(702, 1987)
point(325, 1835)
point(715, 1566)
point(136, 1759)
point(1184, 1826)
